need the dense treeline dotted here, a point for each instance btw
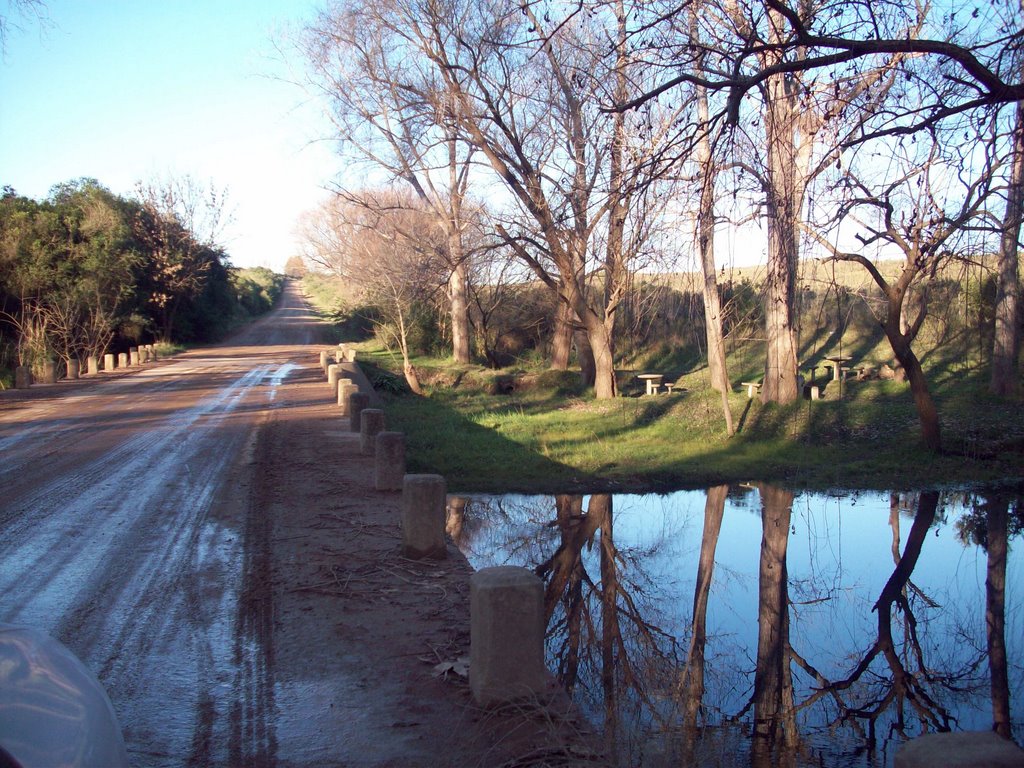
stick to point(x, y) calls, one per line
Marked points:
point(86, 271)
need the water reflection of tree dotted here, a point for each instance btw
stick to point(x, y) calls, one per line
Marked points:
point(995, 518)
point(606, 642)
point(597, 628)
point(774, 711)
point(909, 685)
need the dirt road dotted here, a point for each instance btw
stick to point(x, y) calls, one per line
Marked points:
point(203, 533)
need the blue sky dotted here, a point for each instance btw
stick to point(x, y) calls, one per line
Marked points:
point(126, 91)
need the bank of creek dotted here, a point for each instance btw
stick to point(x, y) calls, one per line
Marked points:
point(204, 534)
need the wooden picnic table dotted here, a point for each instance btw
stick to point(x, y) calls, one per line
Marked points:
point(653, 381)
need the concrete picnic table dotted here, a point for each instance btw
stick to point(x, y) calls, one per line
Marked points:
point(837, 363)
point(653, 381)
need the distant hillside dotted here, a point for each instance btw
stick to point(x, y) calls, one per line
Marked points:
point(819, 275)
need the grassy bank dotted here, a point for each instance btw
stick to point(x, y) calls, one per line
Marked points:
point(534, 431)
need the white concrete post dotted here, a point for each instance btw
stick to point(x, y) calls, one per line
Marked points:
point(73, 368)
point(133, 356)
point(346, 388)
point(323, 360)
point(423, 517)
point(49, 372)
point(350, 355)
point(389, 464)
point(506, 645)
point(122, 359)
point(93, 364)
point(333, 377)
point(152, 352)
point(22, 377)
point(143, 355)
point(357, 401)
point(371, 424)
point(108, 361)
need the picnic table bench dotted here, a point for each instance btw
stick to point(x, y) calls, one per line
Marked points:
point(652, 382)
point(752, 388)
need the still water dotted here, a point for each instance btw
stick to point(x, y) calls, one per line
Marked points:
point(748, 625)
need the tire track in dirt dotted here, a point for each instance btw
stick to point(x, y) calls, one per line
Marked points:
point(68, 527)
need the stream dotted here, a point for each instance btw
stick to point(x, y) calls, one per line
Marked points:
point(748, 625)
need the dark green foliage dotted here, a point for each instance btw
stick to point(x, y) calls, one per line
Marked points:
point(256, 290)
point(561, 383)
point(356, 323)
point(86, 272)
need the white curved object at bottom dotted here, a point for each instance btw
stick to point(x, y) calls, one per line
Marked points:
point(53, 710)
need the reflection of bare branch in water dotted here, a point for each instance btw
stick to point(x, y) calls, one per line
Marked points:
point(902, 686)
point(619, 645)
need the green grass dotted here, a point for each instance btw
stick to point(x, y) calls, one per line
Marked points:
point(541, 439)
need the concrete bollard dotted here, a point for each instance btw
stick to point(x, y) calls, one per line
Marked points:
point(92, 365)
point(108, 362)
point(371, 424)
point(346, 388)
point(323, 360)
point(423, 517)
point(122, 359)
point(389, 464)
point(815, 392)
point(133, 356)
point(357, 401)
point(143, 355)
point(339, 356)
point(965, 749)
point(506, 628)
point(350, 355)
point(22, 377)
point(50, 372)
point(333, 374)
point(73, 369)
point(152, 351)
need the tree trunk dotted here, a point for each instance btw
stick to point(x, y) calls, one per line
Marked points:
point(995, 613)
point(706, 245)
point(459, 293)
point(602, 356)
point(1006, 342)
point(561, 338)
point(927, 413)
point(585, 357)
point(783, 202)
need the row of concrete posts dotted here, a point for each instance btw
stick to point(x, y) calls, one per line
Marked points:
point(506, 603)
point(133, 358)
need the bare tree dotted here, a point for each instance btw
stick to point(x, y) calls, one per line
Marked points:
point(381, 243)
point(927, 211)
point(1006, 339)
point(23, 9)
point(528, 94)
point(180, 224)
point(389, 114)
